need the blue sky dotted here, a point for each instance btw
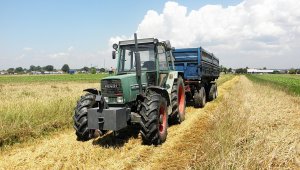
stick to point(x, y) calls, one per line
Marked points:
point(52, 26)
point(76, 32)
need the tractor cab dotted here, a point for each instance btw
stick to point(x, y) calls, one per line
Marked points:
point(155, 59)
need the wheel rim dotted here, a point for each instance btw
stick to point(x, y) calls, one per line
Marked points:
point(162, 119)
point(181, 99)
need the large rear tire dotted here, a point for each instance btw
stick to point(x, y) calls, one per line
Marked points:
point(178, 101)
point(80, 117)
point(154, 114)
point(200, 98)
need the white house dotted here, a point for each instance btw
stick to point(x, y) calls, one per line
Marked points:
point(258, 71)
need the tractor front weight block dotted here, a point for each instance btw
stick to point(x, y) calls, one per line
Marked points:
point(114, 118)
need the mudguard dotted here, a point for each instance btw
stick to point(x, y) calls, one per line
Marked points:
point(161, 91)
point(93, 91)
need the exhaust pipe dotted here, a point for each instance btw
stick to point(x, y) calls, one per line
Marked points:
point(138, 65)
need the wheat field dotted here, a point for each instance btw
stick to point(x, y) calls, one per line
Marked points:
point(34, 109)
point(249, 126)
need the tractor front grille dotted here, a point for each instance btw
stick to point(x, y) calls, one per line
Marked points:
point(111, 87)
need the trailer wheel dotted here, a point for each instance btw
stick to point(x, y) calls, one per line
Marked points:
point(178, 101)
point(80, 117)
point(200, 98)
point(154, 114)
point(211, 92)
point(216, 91)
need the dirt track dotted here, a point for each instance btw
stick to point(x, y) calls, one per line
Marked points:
point(124, 152)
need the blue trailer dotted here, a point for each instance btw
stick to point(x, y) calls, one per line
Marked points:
point(201, 69)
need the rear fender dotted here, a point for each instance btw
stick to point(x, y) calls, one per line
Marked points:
point(161, 91)
point(173, 75)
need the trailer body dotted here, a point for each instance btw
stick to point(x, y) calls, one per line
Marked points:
point(201, 69)
point(196, 63)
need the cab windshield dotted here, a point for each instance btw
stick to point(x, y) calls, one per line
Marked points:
point(127, 58)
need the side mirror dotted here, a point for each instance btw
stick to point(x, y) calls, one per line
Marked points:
point(113, 54)
point(168, 45)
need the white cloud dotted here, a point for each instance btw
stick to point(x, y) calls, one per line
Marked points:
point(254, 33)
point(65, 54)
point(71, 48)
point(59, 55)
point(116, 39)
point(20, 57)
point(27, 49)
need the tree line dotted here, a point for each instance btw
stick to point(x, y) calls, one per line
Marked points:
point(244, 70)
point(50, 68)
point(33, 68)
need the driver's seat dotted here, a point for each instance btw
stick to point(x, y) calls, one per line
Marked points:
point(150, 65)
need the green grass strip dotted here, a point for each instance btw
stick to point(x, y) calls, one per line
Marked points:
point(288, 83)
point(87, 78)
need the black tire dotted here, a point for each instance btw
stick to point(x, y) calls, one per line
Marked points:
point(154, 114)
point(216, 91)
point(178, 101)
point(200, 98)
point(211, 92)
point(80, 117)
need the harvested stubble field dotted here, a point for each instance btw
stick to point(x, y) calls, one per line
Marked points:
point(32, 106)
point(249, 126)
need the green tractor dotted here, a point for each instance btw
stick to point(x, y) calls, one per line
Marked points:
point(146, 91)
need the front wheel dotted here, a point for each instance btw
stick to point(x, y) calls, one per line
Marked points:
point(80, 117)
point(154, 114)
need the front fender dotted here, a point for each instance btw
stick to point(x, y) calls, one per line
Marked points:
point(93, 91)
point(99, 97)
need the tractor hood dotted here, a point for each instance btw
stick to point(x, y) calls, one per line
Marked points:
point(121, 85)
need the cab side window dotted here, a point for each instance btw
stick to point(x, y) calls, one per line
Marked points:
point(161, 54)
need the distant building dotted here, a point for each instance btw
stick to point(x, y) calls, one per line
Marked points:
point(72, 71)
point(36, 72)
point(3, 72)
point(259, 71)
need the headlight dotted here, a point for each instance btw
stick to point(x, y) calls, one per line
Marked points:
point(106, 99)
point(120, 99)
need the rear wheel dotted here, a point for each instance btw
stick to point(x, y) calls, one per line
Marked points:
point(216, 91)
point(200, 98)
point(80, 117)
point(154, 124)
point(178, 101)
point(211, 92)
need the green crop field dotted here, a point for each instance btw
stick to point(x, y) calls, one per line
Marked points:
point(90, 78)
point(288, 83)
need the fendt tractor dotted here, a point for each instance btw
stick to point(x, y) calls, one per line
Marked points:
point(153, 81)
point(146, 91)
